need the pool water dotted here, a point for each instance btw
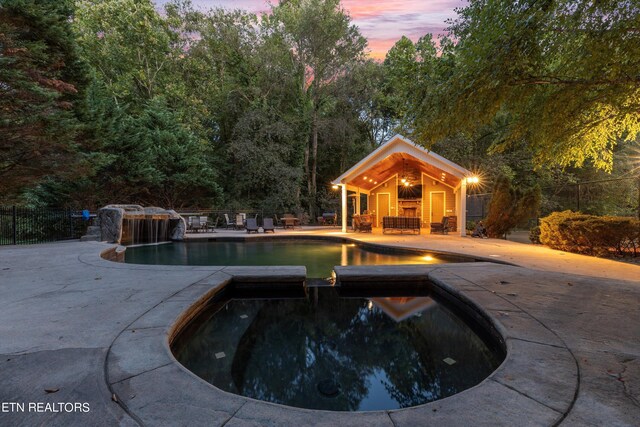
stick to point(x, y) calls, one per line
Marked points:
point(318, 256)
point(326, 351)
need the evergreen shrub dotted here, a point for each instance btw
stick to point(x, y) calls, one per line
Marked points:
point(589, 234)
point(534, 235)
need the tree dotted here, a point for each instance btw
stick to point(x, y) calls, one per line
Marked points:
point(130, 47)
point(153, 159)
point(149, 127)
point(324, 46)
point(510, 206)
point(567, 73)
point(249, 87)
point(400, 83)
point(363, 86)
point(41, 84)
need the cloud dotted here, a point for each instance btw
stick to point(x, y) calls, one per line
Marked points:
point(254, 6)
point(381, 22)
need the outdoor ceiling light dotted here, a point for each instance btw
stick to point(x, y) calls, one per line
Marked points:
point(335, 187)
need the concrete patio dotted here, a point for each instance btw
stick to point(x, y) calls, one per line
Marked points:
point(76, 328)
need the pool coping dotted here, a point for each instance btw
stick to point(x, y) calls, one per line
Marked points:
point(537, 381)
point(340, 239)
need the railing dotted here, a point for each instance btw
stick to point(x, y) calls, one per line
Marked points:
point(20, 226)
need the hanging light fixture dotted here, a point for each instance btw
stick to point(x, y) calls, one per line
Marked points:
point(405, 177)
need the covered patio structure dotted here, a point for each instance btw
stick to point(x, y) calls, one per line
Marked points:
point(401, 179)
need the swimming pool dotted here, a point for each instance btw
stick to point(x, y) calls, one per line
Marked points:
point(319, 256)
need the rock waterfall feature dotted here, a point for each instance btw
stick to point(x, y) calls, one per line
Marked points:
point(133, 224)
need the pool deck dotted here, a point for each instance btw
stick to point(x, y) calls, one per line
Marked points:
point(93, 331)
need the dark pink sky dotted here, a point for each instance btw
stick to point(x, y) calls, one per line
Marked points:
point(382, 22)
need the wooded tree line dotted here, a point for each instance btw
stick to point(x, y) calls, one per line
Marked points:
point(112, 101)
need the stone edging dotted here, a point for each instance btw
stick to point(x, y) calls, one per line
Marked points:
point(536, 383)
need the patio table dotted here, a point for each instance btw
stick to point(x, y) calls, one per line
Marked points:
point(290, 222)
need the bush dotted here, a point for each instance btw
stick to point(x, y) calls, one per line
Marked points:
point(590, 234)
point(534, 235)
point(471, 225)
point(509, 206)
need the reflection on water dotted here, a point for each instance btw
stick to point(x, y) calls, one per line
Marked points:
point(318, 256)
point(384, 353)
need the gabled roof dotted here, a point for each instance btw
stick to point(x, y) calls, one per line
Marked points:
point(399, 145)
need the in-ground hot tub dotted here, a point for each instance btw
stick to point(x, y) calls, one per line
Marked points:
point(338, 349)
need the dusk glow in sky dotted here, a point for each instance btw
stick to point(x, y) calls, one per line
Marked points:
point(381, 22)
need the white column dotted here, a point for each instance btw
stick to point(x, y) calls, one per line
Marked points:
point(344, 207)
point(462, 214)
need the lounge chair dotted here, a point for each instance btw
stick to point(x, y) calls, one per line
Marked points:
point(251, 225)
point(267, 225)
point(440, 227)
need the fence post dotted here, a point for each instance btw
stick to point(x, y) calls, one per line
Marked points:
point(69, 215)
point(14, 221)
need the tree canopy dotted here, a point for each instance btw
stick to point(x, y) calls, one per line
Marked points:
point(107, 101)
point(41, 84)
point(565, 73)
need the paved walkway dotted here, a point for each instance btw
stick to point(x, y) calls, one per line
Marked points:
point(64, 314)
point(535, 257)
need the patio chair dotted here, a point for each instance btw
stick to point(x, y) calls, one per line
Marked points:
point(440, 227)
point(214, 224)
point(239, 222)
point(229, 223)
point(252, 225)
point(365, 224)
point(204, 223)
point(267, 225)
point(196, 225)
point(355, 222)
point(329, 218)
point(362, 223)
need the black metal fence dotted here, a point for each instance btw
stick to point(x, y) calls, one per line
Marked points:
point(39, 225)
point(477, 206)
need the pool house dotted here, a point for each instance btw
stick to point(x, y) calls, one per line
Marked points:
point(402, 179)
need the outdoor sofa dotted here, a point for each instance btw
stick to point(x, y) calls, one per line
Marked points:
point(400, 224)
